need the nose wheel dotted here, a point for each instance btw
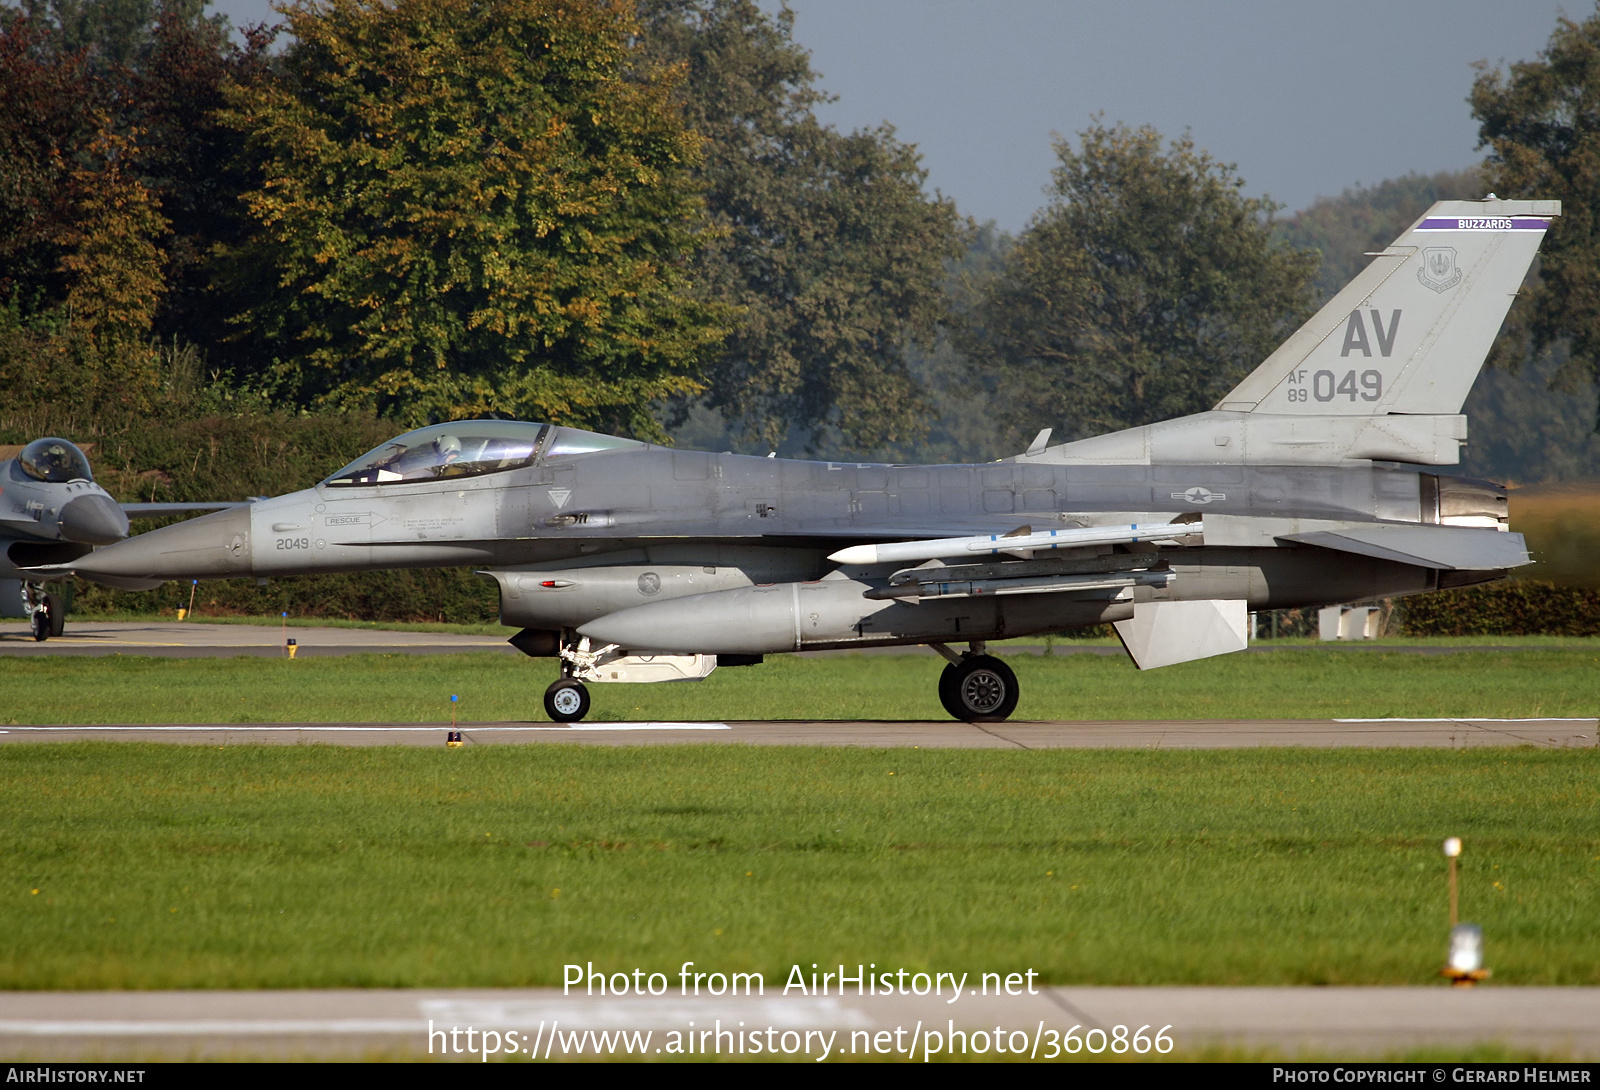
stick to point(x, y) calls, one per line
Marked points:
point(567, 701)
point(978, 689)
point(46, 612)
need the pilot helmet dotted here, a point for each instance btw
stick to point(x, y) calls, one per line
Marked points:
point(448, 447)
point(54, 460)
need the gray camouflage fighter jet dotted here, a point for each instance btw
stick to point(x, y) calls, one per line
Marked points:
point(628, 562)
point(51, 513)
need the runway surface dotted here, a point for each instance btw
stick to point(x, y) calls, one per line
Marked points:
point(1103, 734)
point(1338, 1023)
point(172, 639)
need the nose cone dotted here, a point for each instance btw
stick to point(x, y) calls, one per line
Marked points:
point(93, 520)
point(209, 547)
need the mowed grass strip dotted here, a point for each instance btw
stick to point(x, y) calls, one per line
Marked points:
point(1295, 684)
point(150, 866)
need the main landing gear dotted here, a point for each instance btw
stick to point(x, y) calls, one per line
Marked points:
point(975, 687)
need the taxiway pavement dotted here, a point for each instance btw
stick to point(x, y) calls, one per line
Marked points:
point(174, 639)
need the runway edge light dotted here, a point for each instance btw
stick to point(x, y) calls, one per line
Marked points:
point(453, 739)
point(1464, 962)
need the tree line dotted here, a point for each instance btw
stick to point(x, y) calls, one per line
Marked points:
point(267, 251)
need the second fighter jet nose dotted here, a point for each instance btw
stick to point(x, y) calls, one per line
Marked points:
point(93, 520)
point(211, 546)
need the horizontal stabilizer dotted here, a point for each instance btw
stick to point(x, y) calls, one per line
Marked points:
point(1164, 633)
point(1442, 547)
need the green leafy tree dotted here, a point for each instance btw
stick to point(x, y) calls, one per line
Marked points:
point(1541, 123)
point(191, 162)
point(1145, 290)
point(825, 242)
point(111, 32)
point(470, 208)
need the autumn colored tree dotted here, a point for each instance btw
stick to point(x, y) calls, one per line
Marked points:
point(48, 103)
point(1540, 121)
point(111, 260)
point(108, 129)
point(1145, 290)
point(473, 208)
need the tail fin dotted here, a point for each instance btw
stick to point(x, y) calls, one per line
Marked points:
point(1409, 334)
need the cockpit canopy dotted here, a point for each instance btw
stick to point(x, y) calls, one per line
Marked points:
point(469, 448)
point(54, 460)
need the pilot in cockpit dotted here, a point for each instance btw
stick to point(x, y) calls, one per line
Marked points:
point(437, 458)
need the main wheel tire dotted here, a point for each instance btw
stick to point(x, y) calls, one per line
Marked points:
point(981, 689)
point(567, 701)
point(58, 614)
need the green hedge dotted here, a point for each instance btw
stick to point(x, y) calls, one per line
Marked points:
point(452, 595)
point(457, 596)
point(1504, 609)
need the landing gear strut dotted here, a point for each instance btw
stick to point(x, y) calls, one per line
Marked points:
point(976, 688)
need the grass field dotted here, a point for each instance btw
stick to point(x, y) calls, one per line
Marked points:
point(1306, 683)
point(130, 866)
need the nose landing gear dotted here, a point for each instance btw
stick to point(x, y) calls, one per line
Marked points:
point(46, 612)
point(566, 701)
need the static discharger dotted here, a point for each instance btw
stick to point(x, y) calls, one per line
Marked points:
point(1464, 964)
point(1019, 541)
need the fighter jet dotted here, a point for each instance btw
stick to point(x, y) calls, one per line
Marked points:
point(627, 562)
point(51, 513)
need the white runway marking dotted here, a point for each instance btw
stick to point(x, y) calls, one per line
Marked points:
point(207, 1028)
point(621, 726)
point(343, 729)
point(1472, 719)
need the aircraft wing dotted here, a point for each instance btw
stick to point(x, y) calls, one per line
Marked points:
point(1444, 547)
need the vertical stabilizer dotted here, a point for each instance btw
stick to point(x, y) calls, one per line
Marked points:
point(1409, 334)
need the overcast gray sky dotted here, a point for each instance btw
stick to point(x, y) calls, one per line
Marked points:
point(1305, 98)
